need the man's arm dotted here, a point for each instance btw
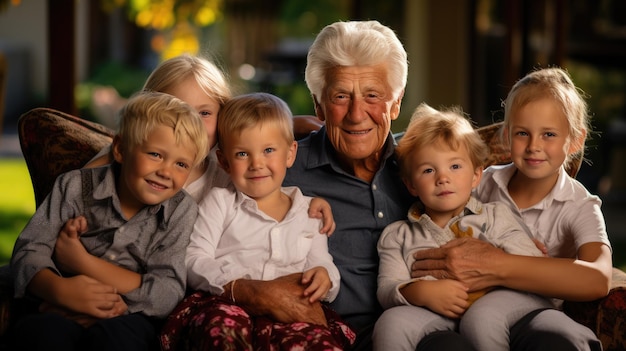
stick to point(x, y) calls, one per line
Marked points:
point(71, 255)
point(479, 265)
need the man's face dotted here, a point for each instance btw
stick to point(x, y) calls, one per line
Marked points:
point(358, 106)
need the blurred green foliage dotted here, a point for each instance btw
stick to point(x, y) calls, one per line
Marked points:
point(17, 203)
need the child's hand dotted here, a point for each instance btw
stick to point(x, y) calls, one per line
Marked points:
point(80, 318)
point(446, 296)
point(68, 249)
point(83, 295)
point(541, 246)
point(317, 283)
point(320, 208)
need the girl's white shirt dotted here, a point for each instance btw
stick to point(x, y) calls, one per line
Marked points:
point(213, 176)
point(567, 218)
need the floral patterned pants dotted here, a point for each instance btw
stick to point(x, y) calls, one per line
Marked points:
point(206, 322)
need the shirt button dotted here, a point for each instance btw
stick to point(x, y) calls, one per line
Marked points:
point(380, 214)
point(374, 187)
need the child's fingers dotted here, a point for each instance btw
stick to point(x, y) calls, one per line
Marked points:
point(75, 226)
point(315, 291)
point(330, 231)
point(307, 276)
point(541, 246)
point(328, 228)
point(317, 295)
point(82, 224)
point(315, 212)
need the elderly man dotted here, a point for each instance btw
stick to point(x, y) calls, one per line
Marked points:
point(356, 72)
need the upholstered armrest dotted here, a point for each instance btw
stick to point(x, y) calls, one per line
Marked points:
point(606, 316)
point(54, 142)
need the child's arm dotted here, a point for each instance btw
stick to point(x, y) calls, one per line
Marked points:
point(320, 208)
point(80, 294)
point(319, 257)
point(396, 242)
point(395, 286)
point(446, 297)
point(72, 257)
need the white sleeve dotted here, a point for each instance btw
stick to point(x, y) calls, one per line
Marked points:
point(203, 270)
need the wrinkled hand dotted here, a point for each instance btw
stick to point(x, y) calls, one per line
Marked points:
point(283, 300)
point(85, 295)
point(466, 260)
point(68, 249)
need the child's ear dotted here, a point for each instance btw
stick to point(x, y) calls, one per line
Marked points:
point(221, 159)
point(291, 154)
point(478, 174)
point(576, 145)
point(117, 149)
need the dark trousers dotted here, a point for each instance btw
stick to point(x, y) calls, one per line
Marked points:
point(49, 331)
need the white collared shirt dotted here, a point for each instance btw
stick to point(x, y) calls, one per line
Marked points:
point(233, 239)
point(567, 218)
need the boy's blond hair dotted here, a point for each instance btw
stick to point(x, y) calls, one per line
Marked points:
point(429, 126)
point(249, 110)
point(146, 110)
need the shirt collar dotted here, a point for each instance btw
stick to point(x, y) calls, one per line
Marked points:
point(416, 212)
point(562, 190)
point(297, 199)
point(105, 187)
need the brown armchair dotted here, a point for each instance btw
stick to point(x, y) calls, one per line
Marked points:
point(54, 142)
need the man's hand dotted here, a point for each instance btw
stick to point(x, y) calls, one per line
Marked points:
point(467, 260)
point(282, 299)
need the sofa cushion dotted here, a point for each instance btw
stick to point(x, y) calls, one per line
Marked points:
point(606, 316)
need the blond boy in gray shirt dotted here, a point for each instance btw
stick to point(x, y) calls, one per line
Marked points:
point(102, 259)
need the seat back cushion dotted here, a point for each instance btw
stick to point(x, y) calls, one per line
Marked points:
point(54, 142)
